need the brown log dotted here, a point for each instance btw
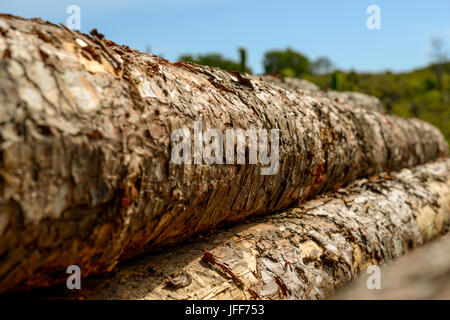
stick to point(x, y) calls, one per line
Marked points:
point(85, 136)
point(353, 99)
point(305, 252)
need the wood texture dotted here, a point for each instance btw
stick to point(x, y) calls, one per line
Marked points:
point(306, 252)
point(352, 99)
point(85, 171)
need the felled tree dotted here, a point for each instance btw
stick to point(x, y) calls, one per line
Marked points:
point(309, 251)
point(86, 175)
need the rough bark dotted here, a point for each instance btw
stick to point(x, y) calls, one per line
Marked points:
point(85, 171)
point(422, 274)
point(301, 253)
point(354, 99)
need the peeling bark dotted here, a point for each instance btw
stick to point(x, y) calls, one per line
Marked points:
point(422, 274)
point(85, 171)
point(301, 253)
point(354, 99)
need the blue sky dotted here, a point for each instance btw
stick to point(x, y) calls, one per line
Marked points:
point(333, 28)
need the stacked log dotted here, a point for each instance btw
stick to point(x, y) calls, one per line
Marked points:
point(86, 130)
point(354, 99)
point(307, 252)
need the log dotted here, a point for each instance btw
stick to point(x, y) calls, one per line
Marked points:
point(301, 253)
point(424, 274)
point(354, 99)
point(86, 175)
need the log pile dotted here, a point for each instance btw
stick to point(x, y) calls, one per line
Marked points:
point(86, 177)
point(305, 252)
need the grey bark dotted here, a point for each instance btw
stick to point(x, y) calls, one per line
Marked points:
point(85, 170)
point(306, 252)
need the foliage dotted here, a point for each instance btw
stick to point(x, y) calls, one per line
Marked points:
point(336, 80)
point(243, 58)
point(321, 65)
point(287, 63)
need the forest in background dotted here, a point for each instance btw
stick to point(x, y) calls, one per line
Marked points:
point(423, 93)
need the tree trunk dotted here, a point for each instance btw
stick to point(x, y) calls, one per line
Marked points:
point(353, 99)
point(301, 253)
point(86, 175)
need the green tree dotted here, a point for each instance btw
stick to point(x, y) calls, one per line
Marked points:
point(290, 61)
point(336, 80)
point(322, 65)
point(439, 56)
point(243, 59)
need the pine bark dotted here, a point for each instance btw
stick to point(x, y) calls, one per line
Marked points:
point(306, 252)
point(352, 99)
point(85, 170)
